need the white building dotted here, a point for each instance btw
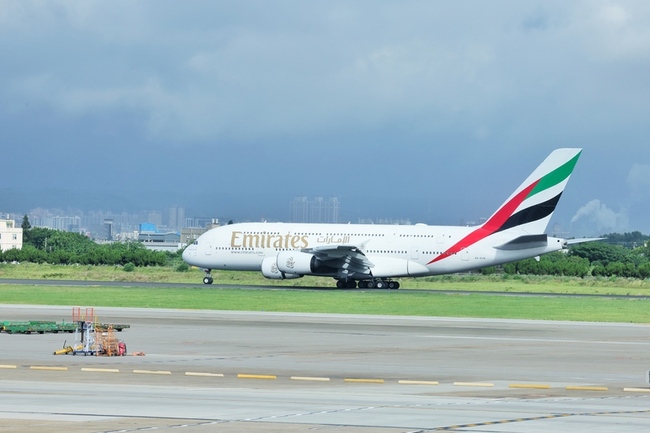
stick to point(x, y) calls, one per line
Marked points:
point(10, 235)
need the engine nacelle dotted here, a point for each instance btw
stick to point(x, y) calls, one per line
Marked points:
point(270, 270)
point(296, 262)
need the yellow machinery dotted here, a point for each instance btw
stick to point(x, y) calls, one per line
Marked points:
point(65, 350)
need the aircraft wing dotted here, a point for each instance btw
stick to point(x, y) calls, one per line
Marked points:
point(350, 260)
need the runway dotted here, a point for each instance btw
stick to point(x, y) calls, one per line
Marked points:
point(90, 283)
point(255, 371)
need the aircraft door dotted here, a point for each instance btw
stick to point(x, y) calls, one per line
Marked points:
point(464, 255)
point(415, 252)
point(208, 249)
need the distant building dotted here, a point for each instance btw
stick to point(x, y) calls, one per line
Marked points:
point(200, 222)
point(108, 229)
point(155, 217)
point(10, 235)
point(148, 228)
point(153, 239)
point(190, 233)
point(300, 210)
point(175, 217)
point(318, 210)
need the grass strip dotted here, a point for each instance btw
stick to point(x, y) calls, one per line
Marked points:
point(376, 303)
point(457, 282)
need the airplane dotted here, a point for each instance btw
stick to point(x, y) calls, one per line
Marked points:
point(373, 256)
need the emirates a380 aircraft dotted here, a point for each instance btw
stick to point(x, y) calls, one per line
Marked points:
point(372, 256)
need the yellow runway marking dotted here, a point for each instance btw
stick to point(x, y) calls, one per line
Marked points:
point(151, 372)
point(636, 389)
point(101, 370)
point(257, 376)
point(483, 384)
point(42, 367)
point(364, 380)
point(417, 382)
point(314, 379)
point(530, 385)
point(191, 373)
point(586, 388)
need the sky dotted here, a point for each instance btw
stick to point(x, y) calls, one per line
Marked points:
point(431, 111)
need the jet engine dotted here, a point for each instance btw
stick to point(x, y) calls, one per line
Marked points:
point(296, 262)
point(270, 270)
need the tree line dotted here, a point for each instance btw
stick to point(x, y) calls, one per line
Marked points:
point(624, 255)
point(43, 245)
point(618, 255)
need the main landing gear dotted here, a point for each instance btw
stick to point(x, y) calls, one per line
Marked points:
point(208, 277)
point(375, 283)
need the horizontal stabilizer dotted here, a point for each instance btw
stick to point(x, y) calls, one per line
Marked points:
point(583, 240)
point(525, 242)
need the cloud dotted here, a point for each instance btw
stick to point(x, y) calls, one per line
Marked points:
point(214, 72)
point(605, 219)
point(419, 88)
point(638, 180)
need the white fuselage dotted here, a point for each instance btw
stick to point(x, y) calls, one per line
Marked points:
point(369, 256)
point(394, 250)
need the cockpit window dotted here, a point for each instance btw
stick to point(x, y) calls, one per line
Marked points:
point(196, 242)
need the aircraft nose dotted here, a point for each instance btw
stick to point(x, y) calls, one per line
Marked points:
point(189, 253)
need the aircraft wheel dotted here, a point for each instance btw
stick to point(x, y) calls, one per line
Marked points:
point(370, 285)
point(207, 280)
point(380, 284)
point(340, 284)
point(393, 285)
point(351, 284)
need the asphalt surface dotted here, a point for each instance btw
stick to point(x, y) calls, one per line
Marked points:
point(254, 371)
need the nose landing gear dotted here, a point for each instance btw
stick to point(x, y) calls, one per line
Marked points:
point(208, 277)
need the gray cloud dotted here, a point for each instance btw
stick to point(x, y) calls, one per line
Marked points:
point(605, 219)
point(638, 180)
point(459, 98)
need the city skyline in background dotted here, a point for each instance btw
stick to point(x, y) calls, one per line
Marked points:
point(109, 225)
point(118, 226)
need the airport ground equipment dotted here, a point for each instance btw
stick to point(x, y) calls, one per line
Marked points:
point(35, 327)
point(43, 327)
point(90, 336)
point(65, 350)
point(84, 333)
point(94, 338)
point(109, 344)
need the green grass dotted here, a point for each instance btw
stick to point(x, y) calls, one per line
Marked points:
point(279, 299)
point(471, 282)
point(376, 303)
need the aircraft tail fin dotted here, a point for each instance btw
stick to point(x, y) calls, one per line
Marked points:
point(529, 209)
point(531, 206)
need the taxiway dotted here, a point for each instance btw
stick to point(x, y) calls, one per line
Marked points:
point(258, 371)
